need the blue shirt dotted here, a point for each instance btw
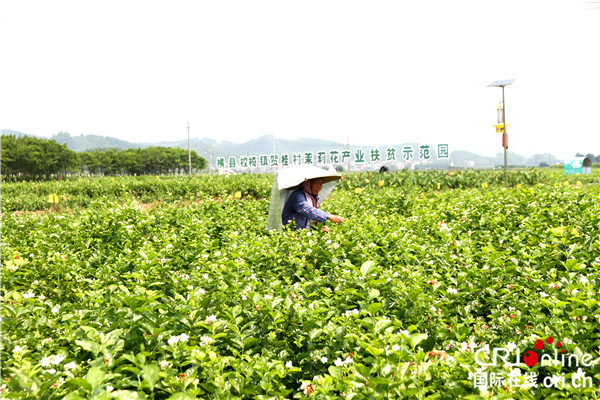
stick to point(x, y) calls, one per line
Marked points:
point(299, 208)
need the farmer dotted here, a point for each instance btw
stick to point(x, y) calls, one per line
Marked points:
point(302, 207)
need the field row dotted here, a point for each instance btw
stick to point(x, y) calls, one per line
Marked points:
point(79, 193)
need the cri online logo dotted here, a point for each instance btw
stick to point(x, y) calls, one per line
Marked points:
point(531, 357)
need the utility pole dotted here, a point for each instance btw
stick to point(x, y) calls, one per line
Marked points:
point(189, 151)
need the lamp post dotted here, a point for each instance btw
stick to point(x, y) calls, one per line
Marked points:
point(502, 84)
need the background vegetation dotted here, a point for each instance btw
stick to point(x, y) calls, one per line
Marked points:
point(31, 158)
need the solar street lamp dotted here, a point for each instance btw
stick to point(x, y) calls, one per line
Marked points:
point(502, 124)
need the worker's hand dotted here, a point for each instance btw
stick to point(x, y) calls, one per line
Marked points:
point(335, 218)
point(325, 229)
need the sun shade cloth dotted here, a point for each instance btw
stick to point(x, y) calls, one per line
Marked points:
point(288, 179)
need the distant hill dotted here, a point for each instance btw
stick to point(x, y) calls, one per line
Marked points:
point(262, 145)
point(84, 142)
point(467, 159)
point(210, 148)
point(87, 142)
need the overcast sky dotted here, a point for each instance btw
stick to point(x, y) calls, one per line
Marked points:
point(376, 72)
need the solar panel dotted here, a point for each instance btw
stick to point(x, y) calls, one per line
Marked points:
point(502, 83)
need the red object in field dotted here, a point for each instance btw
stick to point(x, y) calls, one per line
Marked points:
point(504, 140)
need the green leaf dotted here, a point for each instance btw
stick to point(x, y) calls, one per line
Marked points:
point(382, 324)
point(89, 345)
point(373, 350)
point(387, 369)
point(417, 338)
point(112, 337)
point(367, 267)
point(150, 374)
point(315, 333)
point(374, 307)
point(334, 371)
point(80, 382)
point(95, 376)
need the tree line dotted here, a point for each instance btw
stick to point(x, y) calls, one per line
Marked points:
point(37, 158)
point(593, 158)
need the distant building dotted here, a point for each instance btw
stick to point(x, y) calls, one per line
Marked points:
point(578, 165)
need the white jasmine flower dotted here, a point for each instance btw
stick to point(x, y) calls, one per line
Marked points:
point(210, 319)
point(56, 359)
point(555, 285)
point(206, 340)
point(352, 312)
point(289, 364)
point(579, 375)
point(28, 295)
point(452, 291)
point(324, 360)
point(51, 360)
point(307, 388)
point(70, 366)
point(511, 347)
